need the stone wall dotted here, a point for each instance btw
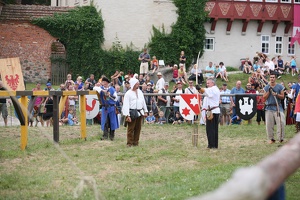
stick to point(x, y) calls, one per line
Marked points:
point(32, 44)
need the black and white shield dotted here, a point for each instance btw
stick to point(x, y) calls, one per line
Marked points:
point(246, 106)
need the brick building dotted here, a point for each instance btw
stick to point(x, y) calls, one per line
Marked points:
point(32, 44)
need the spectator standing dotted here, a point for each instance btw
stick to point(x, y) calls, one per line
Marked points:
point(236, 90)
point(160, 82)
point(225, 105)
point(38, 103)
point(293, 66)
point(134, 99)
point(144, 58)
point(149, 99)
point(141, 80)
point(163, 102)
point(108, 99)
point(273, 93)
point(3, 106)
point(179, 90)
point(190, 89)
point(250, 90)
point(182, 59)
point(211, 102)
point(260, 115)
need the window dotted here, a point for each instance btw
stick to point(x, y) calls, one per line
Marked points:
point(273, 1)
point(291, 48)
point(285, 1)
point(278, 45)
point(297, 1)
point(265, 44)
point(209, 44)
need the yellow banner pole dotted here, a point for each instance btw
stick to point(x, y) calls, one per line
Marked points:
point(83, 116)
point(24, 128)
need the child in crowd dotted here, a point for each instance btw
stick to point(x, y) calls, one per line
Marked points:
point(175, 73)
point(218, 72)
point(178, 119)
point(71, 119)
point(150, 119)
point(161, 119)
point(154, 64)
point(236, 120)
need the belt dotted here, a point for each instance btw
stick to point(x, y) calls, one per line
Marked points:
point(225, 103)
point(271, 105)
point(107, 106)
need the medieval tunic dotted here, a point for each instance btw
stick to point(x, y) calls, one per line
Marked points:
point(108, 104)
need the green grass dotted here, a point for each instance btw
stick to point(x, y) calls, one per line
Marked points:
point(164, 166)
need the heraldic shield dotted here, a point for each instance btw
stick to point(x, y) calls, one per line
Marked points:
point(245, 106)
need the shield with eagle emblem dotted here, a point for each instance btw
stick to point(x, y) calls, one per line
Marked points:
point(246, 105)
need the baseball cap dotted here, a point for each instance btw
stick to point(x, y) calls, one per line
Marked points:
point(48, 84)
point(159, 74)
point(167, 83)
point(149, 83)
point(179, 82)
point(224, 84)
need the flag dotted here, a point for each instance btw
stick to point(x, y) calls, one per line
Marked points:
point(189, 105)
point(296, 27)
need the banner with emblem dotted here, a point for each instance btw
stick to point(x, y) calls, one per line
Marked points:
point(11, 74)
point(91, 106)
point(246, 106)
point(296, 27)
point(189, 105)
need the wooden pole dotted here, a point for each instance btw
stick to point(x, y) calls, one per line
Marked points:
point(24, 128)
point(55, 118)
point(83, 116)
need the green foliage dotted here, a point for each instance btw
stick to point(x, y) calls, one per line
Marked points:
point(81, 31)
point(187, 34)
point(231, 69)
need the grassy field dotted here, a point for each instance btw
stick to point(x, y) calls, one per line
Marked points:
point(164, 166)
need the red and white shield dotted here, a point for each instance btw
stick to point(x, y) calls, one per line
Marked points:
point(189, 105)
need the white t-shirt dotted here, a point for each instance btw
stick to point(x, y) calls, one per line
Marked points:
point(160, 84)
point(177, 97)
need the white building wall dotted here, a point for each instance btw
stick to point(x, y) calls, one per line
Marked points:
point(132, 21)
point(230, 48)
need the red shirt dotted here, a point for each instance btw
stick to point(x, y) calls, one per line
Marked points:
point(175, 73)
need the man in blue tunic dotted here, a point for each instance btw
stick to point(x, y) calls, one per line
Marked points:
point(108, 99)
